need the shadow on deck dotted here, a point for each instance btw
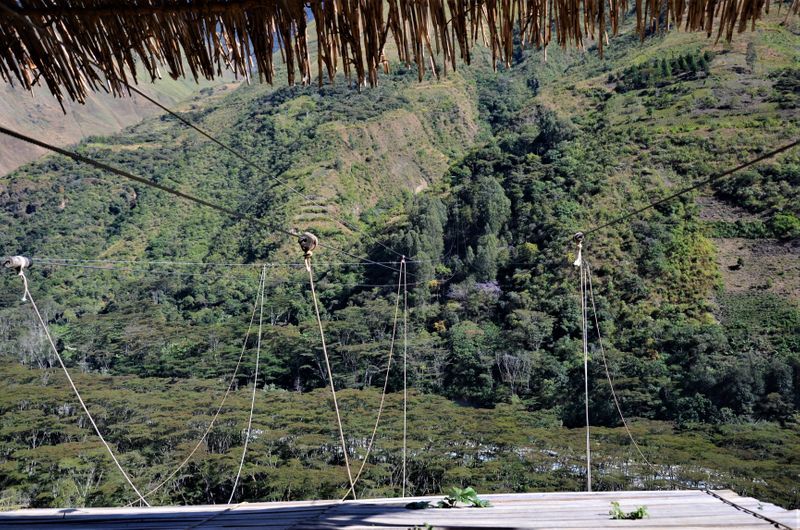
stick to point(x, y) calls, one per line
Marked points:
point(667, 509)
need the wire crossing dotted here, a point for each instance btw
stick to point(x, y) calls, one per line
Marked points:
point(29, 297)
point(172, 191)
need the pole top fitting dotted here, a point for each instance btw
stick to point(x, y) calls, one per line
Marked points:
point(17, 263)
point(308, 242)
point(578, 238)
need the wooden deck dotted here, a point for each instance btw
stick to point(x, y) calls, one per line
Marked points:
point(667, 509)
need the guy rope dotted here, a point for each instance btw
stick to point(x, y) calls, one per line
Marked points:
point(400, 279)
point(255, 383)
point(587, 303)
point(214, 418)
point(585, 342)
point(20, 264)
point(308, 243)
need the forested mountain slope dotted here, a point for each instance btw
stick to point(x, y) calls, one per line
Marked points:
point(481, 178)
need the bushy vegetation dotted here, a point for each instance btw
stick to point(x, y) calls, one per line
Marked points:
point(786, 88)
point(153, 423)
point(710, 378)
point(662, 72)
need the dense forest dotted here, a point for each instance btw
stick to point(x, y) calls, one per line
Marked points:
point(480, 179)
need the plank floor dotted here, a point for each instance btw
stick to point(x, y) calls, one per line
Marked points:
point(666, 509)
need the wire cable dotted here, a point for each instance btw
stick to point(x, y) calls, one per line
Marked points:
point(272, 283)
point(255, 166)
point(330, 376)
point(255, 385)
point(405, 374)
point(141, 180)
point(29, 297)
point(771, 521)
point(219, 408)
point(385, 382)
point(147, 182)
point(585, 333)
point(693, 187)
point(26, 20)
point(256, 265)
point(608, 373)
point(99, 268)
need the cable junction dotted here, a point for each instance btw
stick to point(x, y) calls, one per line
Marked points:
point(172, 191)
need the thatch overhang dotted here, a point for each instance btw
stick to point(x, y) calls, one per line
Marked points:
point(75, 46)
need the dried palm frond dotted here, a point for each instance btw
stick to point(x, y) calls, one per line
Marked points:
point(79, 45)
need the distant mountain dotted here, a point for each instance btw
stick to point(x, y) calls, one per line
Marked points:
point(39, 114)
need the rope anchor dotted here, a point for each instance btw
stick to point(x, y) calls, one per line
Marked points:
point(308, 243)
point(578, 238)
point(18, 263)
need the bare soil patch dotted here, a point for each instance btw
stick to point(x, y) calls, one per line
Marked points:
point(760, 264)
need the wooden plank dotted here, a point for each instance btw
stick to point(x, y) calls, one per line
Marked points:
point(790, 518)
point(576, 510)
point(627, 525)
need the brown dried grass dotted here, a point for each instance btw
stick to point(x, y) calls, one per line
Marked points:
point(79, 45)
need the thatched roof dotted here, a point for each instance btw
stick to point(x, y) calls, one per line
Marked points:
point(75, 46)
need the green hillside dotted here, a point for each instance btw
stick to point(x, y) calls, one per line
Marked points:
point(481, 179)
